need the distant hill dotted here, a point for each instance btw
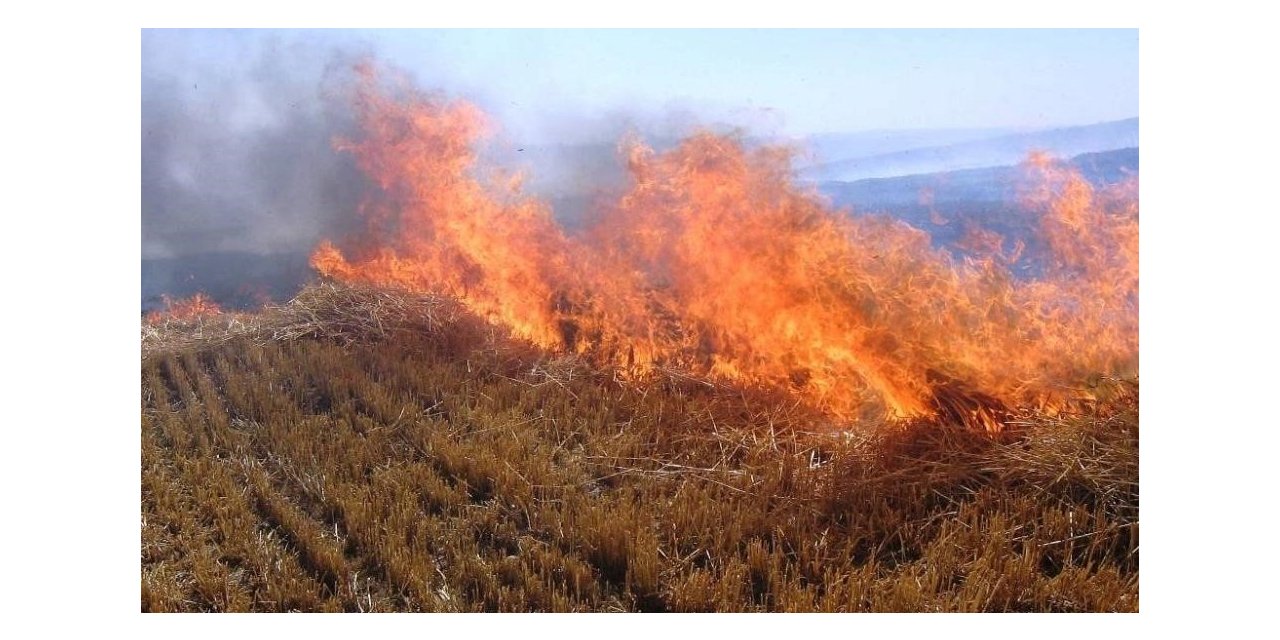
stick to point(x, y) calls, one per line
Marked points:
point(986, 152)
point(947, 204)
point(986, 184)
point(824, 148)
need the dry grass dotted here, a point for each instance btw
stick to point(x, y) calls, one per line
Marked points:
point(360, 450)
point(331, 311)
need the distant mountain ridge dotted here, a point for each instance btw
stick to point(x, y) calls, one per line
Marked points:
point(825, 148)
point(947, 204)
point(999, 150)
point(986, 184)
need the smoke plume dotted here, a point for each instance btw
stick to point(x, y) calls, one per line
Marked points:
point(237, 152)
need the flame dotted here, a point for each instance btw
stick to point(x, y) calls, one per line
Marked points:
point(439, 228)
point(713, 260)
point(184, 310)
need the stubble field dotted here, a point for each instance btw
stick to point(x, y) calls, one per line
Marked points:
point(361, 450)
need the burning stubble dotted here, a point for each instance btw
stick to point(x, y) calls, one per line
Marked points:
point(711, 259)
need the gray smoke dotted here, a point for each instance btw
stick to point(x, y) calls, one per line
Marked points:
point(240, 178)
point(237, 150)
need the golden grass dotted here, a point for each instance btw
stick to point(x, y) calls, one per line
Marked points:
point(362, 450)
point(325, 310)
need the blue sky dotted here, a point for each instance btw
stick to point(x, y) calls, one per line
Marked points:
point(792, 82)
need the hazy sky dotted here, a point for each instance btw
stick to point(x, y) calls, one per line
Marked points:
point(777, 81)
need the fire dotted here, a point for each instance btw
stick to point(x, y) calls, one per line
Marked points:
point(714, 260)
point(185, 310)
point(439, 228)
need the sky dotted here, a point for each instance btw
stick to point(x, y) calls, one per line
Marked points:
point(791, 82)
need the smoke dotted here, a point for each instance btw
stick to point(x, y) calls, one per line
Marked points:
point(237, 143)
point(241, 178)
point(575, 161)
point(238, 131)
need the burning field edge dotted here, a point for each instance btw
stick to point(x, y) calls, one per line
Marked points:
point(363, 449)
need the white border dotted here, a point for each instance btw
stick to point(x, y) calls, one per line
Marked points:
point(1208, 345)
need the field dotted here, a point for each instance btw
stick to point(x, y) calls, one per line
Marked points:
point(360, 450)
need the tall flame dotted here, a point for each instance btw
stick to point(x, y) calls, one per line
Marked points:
point(713, 259)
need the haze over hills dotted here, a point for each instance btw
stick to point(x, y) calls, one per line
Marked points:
point(825, 148)
point(986, 184)
point(569, 176)
point(570, 170)
point(997, 150)
point(949, 204)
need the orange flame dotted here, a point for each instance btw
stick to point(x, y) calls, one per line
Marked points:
point(185, 309)
point(714, 260)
